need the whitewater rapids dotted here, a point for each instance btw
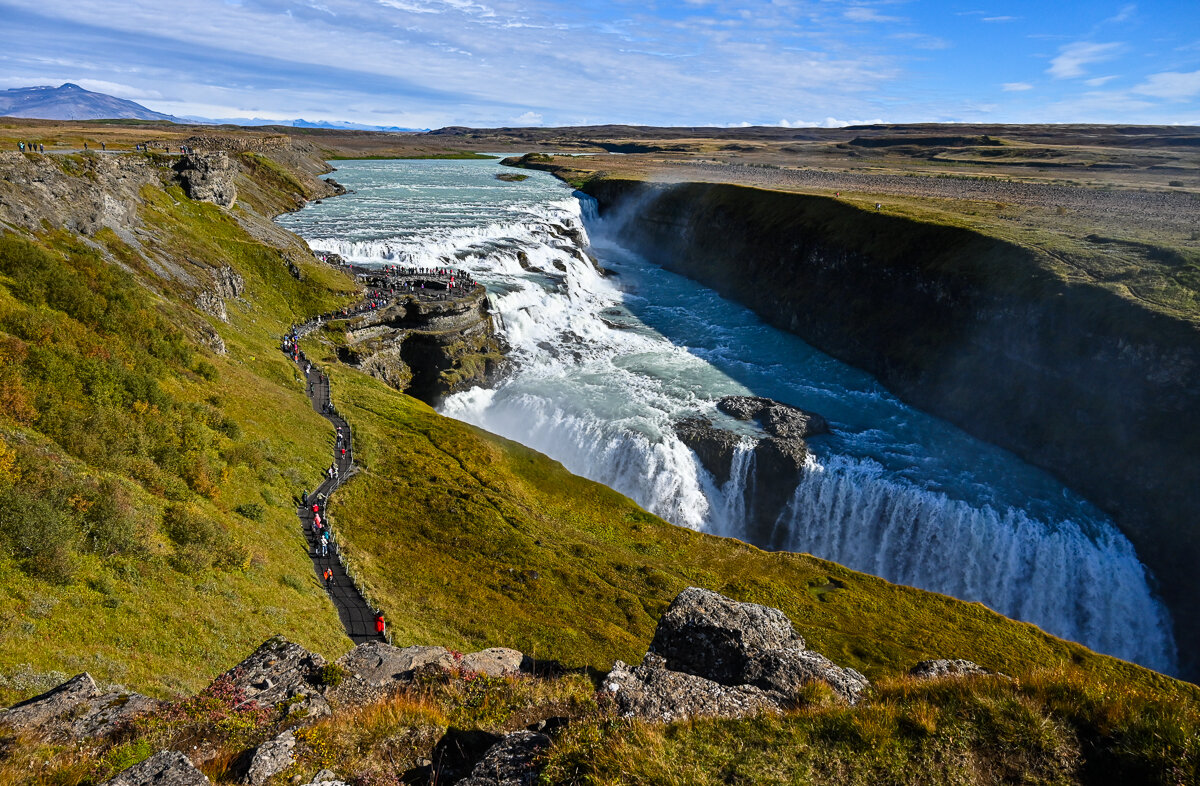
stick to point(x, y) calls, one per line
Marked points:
point(609, 351)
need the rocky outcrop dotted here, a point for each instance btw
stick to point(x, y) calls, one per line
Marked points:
point(165, 768)
point(208, 177)
point(713, 446)
point(510, 762)
point(707, 634)
point(777, 419)
point(382, 664)
point(281, 672)
point(75, 710)
point(1099, 389)
point(271, 758)
point(495, 662)
point(779, 458)
point(425, 347)
point(934, 669)
point(651, 692)
point(714, 656)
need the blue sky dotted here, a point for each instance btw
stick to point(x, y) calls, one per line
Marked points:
point(431, 63)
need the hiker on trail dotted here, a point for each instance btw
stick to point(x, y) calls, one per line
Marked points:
point(304, 498)
point(379, 623)
point(324, 547)
point(21, 146)
point(103, 146)
point(328, 576)
point(317, 509)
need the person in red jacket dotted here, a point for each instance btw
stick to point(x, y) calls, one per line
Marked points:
point(379, 624)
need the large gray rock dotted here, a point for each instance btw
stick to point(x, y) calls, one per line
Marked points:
point(494, 662)
point(510, 762)
point(933, 669)
point(77, 709)
point(653, 693)
point(381, 664)
point(714, 446)
point(282, 672)
point(787, 671)
point(778, 419)
point(712, 636)
point(165, 768)
point(208, 177)
point(271, 758)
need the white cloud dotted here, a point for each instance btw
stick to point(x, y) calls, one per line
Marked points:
point(1001, 18)
point(1016, 87)
point(861, 13)
point(1124, 14)
point(529, 119)
point(1073, 58)
point(1099, 81)
point(1171, 85)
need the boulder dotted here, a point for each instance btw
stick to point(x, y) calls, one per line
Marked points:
point(494, 662)
point(380, 664)
point(778, 465)
point(208, 177)
point(455, 755)
point(714, 446)
point(281, 672)
point(777, 419)
point(786, 671)
point(327, 778)
point(709, 635)
point(165, 768)
point(77, 709)
point(653, 693)
point(271, 758)
point(933, 669)
point(510, 762)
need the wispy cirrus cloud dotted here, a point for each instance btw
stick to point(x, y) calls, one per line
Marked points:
point(1073, 59)
point(1171, 85)
point(1016, 87)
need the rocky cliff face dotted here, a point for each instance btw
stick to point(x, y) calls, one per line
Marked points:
point(1093, 387)
point(427, 348)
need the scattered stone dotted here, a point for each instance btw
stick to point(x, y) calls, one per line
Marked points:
point(271, 758)
point(510, 762)
point(456, 754)
point(165, 768)
point(495, 662)
point(77, 709)
point(786, 671)
point(709, 635)
point(932, 669)
point(657, 694)
point(326, 778)
point(380, 664)
point(282, 672)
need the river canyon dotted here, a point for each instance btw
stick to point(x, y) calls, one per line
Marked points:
point(608, 350)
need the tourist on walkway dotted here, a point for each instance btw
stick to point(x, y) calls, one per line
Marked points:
point(379, 623)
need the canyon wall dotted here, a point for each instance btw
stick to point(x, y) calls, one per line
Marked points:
point(1093, 387)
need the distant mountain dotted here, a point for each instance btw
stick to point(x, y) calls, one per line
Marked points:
point(71, 102)
point(297, 123)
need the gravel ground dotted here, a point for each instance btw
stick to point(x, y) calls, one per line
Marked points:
point(1176, 211)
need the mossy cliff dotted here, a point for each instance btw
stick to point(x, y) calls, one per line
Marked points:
point(1092, 386)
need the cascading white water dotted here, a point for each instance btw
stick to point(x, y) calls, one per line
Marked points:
point(605, 365)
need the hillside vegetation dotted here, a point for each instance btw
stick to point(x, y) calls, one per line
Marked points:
point(149, 536)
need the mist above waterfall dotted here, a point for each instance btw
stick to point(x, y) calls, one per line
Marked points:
point(604, 365)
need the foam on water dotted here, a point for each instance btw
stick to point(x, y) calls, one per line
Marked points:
point(605, 365)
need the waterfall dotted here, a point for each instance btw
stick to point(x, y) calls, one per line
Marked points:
point(603, 367)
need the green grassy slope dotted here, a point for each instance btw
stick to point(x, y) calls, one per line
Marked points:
point(470, 540)
point(127, 452)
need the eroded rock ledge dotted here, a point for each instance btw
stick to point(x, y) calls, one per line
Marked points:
point(426, 348)
point(778, 458)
